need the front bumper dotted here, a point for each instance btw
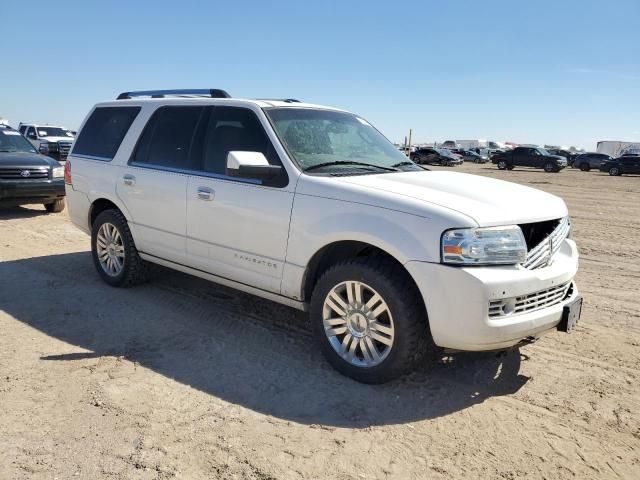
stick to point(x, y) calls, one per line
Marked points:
point(21, 192)
point(457, 300)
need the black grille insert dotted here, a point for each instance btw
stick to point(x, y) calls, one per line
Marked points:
point(534, 233)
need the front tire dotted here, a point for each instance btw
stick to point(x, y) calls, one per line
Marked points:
point(369, 319)
point(614, 171)
point(585, 167)
point(550, 167)
point(114, 252)
point(502, 165)
point(56, 206)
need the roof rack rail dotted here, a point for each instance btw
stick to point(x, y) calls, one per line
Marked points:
point(288, 100)
point(207, 92)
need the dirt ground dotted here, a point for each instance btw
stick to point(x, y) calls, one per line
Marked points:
point(180, 378)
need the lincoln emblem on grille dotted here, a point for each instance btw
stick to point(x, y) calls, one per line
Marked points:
point(25, 173)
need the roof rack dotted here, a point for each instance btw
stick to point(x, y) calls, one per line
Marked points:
point(287, 100)
point(199, 92)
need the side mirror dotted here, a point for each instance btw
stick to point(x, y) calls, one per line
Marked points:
point(251, 165)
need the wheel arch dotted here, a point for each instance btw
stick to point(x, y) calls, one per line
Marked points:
point(337, 251)
point(101, 204)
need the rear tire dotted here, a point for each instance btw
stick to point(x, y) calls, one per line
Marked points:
point(117, 261)
point(56, 206)
point(614, 171)
point(381, 348)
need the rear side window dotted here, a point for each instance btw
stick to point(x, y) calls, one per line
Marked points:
point(103, 132)
point(168, 137)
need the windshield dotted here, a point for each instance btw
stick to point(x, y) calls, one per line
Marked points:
point(12, 141)
point(329, 141)
point(543, 151)
point(54, 132)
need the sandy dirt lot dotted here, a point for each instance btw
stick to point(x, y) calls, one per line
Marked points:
point(180, 378)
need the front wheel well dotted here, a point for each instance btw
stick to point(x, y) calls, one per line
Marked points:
point(98, 207)
point(338, 251)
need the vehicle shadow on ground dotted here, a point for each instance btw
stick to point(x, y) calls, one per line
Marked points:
point(10, 213)
point(239, 348)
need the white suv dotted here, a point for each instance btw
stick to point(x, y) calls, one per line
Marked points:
point(312, 207)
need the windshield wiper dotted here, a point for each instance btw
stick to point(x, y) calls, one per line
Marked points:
point(403, 164)
point(349, 162)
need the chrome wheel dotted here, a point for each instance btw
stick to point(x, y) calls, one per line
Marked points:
point(358, 324)
point(502, 164)
point(110, 249)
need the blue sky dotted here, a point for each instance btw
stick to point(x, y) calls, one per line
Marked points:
point(561, 72)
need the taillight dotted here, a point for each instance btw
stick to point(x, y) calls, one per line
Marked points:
point(67, 172)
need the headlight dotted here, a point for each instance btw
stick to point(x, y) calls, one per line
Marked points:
point(484, 246)
point(58, 172)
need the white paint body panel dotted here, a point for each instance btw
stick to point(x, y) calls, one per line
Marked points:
point(261, 239)
point(241, 234)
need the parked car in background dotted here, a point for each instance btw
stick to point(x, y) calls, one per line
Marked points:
point(436, 156)
point(587, 161)
point(471, 156)
point(256, 195)
point(536, 157)
point(621, 165)
point(49, 140)
point(570, 156)
point(26, 176)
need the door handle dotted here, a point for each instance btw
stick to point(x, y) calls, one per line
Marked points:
point(205, 194)
point(129, 180)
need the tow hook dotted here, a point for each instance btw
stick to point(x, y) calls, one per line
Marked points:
point(525, 341)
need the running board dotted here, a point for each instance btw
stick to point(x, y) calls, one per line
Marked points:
point(274, 297)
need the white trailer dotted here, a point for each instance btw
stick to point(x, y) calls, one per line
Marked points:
point(478, 143)
point(616, 148)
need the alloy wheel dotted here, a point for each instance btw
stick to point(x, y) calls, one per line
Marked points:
point(358, 324)
point(110, 249)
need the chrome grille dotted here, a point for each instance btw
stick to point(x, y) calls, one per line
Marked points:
point(530, 302)
point(13, 173)
point(63, 149)
point(541, 254)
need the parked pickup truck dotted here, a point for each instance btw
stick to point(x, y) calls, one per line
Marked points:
point(54, 142)
point(529, 157)
point(312, 207)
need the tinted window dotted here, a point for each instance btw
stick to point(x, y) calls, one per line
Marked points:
point(22, 129)
point(31, 131)
point(167, 138)
point(104, 130)
point(231, 129)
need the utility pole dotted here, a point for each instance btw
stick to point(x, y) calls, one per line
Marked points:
point(408, 152)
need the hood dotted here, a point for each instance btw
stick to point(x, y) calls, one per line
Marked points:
point(59, 139)
point(26, 159)
point(488, 201)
